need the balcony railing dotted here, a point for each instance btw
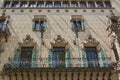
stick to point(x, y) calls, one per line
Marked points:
point(43, 63)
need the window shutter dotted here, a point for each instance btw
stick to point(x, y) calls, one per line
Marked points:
point(16, 59)
point(33, 25)
point(68, 58)
point(50, 58)
point(102, 60)
point(34, 59)
point(84, 58)
point(83, 25)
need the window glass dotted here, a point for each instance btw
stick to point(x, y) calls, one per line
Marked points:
point(74, 4)
point(26, 56)
point(7, 4)
point(57, 4)
point(108, 4)
point(92, 56)
point(82, 4)
point(24, 4)
point(65, 4)
point(76, 25)
point(40, 4)
point(1, 25)
point(32, 4)
point(99, 4)
point(59, 56)
point(49, 4)
point(91, 4)
point(15, 4)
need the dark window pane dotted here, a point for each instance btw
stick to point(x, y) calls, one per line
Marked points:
point(59, 57)
point(92, 56)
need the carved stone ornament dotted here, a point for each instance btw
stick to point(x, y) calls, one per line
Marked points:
point(59, 42)
point(91, 42)
point(115, 27)
point(114, 17)
point(40, 18)
point(27, 42)
point(77, 18)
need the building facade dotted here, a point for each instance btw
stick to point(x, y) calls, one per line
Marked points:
point(59, 39)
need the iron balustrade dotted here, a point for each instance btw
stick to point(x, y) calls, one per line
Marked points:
point(44, 63)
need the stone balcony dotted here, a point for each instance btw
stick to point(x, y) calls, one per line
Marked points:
point(42, 64)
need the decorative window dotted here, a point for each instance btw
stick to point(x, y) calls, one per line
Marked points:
point(65, 4)
point(15, 4)
point(108, 4)
point(39, 22)
point(82, 4)
point(40, 4)
point(91, 4)
point(49, 4)
point(24, 4)
point(32, 4)
point(99, 4)
point(74, 4)
point(59, 55)
point(57, 4)
point(7, 4)
point(77, 22)
point(26, 54)
point(92, 54)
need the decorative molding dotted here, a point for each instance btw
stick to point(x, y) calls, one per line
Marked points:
point(40, 18)
point(114, 27)
point(27, 42)
point(77, 18)
point(112, 16)
point(91, 42)
point(59, 42)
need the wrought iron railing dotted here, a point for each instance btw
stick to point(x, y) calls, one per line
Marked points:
point(73, 63)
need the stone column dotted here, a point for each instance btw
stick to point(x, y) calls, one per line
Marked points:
point(96, 4)
point(104, 4)
point(78, 4)
point(70, 3)
point(44, 3)
point(87, 4)
point(53, 4)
